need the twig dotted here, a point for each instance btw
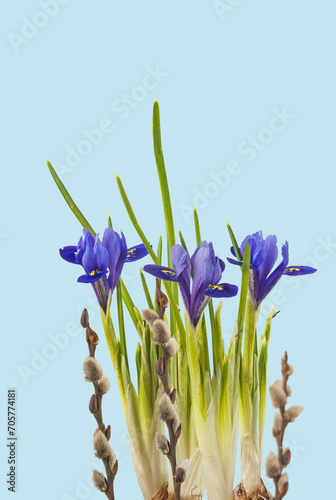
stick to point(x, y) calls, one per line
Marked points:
point(162, 304)
point(162, 337)
point(101, 385)
point(279, 392)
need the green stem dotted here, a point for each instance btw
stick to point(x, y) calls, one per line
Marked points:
point(249, 338)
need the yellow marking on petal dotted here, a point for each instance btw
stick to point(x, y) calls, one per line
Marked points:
point(215, 286)
point(169, 272)
point(94, 272)
point(291, 269)
point(131, 250)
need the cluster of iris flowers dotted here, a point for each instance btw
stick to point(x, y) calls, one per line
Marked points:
point(198, 276)
point(212, 399)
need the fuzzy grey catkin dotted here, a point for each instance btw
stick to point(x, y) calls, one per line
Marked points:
point(99, 481)
point(278, 395)
point(162, 443)
point(161, 332)
point(293, 412)
point(273, 467)
point(92, 369)
point(149, 316)
point(104, 384)
point(171, 347)
point(182, 470)
point(166, 408)
point(101, 445)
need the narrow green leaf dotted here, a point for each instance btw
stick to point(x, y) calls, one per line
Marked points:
point(134, 221)
point(130, 307)
point(172, 299)
point(161, 169)
point(234, 242)
point(109, 221)
point(218, 342)
point(123, 345)
point(183, 243)
point(145, 287)
point(197, 228)
point(138, 361)
point(205, 347)
point(159, 250)
point(243, 293)
point(69, 200)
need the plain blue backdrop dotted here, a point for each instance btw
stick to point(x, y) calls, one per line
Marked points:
point(247, 111)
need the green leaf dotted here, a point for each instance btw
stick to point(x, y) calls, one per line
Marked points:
point(172, 298)
point(234, 242)
point(134, 221)
point(197, 228)
point(69, 200)
point(145, 287)
point(159, 250)
point(183, 243)
point(109, 221)
point(138, 361)
point(123, 345)
point(161, 169)
point(130, 307)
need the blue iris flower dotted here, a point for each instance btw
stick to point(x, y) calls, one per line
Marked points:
point(207, 272)
point(264, 254)
point(102, 261)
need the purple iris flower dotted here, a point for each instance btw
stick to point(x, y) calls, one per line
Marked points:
point(102, 261)
point(207, 272)
point(264, 254)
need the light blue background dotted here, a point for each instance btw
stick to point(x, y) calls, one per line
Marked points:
point(225, 75)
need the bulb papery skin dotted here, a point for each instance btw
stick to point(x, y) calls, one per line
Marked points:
point(250, 463)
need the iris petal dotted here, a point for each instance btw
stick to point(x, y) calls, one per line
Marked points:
point(69, 254)
point(274, 277)
point(161, 272)
point(299, 270)
point(137, 252)
point(92, 277)
point(221, 290)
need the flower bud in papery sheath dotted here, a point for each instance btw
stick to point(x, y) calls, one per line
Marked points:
point(283, 485)
point(101, 445)
point(277, 425)
point(159, 367)
point(273, 468)
point(113, 460)
point(161, 332)
point(177, 427)
point(93, 404)
point(149, 316)
point(108, 432)
point(171, 347)
point(92, 369)
point(99, 481)
point(292, 413)
point(166, 408)
point(162, 443)
point(172, 395)
point(278, 395)
point(91, 336)
point(104, 384)
point(182, 471)
point(286, 457)
point(85, 318)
